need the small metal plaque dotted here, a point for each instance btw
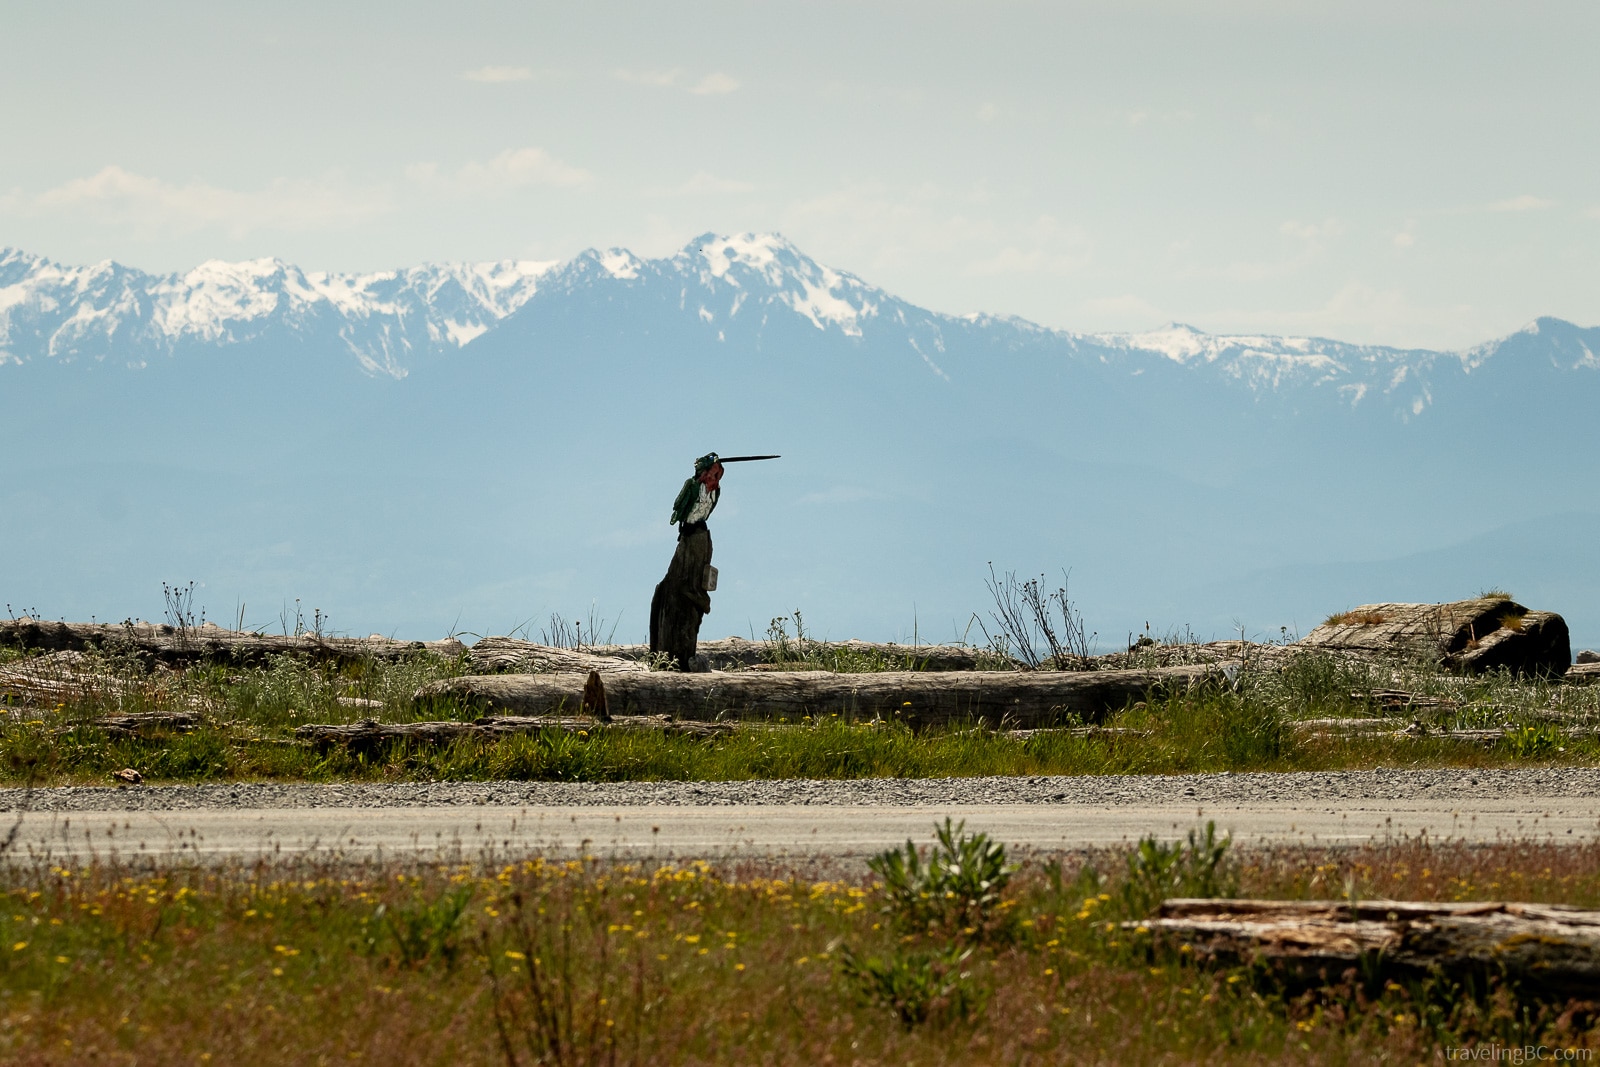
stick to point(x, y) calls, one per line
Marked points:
point(711, 578)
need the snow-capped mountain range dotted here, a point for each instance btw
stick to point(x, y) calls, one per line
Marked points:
point(387, 321)
point(488, 443)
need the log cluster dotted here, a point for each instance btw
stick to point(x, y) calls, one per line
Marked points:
point(370, 734)
point(1546, 945)
point(1000, 699)
point(176, 645)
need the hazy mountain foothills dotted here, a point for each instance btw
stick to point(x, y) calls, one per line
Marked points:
point(477, 445)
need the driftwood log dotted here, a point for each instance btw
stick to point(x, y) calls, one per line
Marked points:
point(1009, 699)
point(1391, 730)
point(175, 645)
point(369, 733)
point(1470, 636)
point(1546, 945)
point(511, 655)
point(45, 682)
point(43, 687)
point(139, 724)
point(729, 652)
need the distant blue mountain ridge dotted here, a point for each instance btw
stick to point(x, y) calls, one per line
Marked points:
point(480, 445)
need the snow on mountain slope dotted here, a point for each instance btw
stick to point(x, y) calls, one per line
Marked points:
point(111, 313)
point(1267, 364)
point(746, 282)
point(750, 263)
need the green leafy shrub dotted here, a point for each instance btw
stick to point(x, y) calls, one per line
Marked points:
point(1533, 741)
point(424, 930)
point(917, 986)
point(958, 888)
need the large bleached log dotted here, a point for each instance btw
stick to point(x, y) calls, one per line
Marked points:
point(1013, 699)
point(370, 733)
point(1550, 945)
point(172, 644)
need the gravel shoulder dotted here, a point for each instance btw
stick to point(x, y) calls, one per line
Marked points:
point(1435, 785)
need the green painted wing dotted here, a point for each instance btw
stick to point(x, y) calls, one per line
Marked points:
point(686, 500)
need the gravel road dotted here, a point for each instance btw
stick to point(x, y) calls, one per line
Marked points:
point(1366, 787)
point(791, 820)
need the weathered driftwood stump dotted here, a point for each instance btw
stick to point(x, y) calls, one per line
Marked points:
point(1471, 636)
point(681, 599)
point(998, 698)
point(1549, 945)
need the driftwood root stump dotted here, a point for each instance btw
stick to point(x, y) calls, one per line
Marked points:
point(1470, 636)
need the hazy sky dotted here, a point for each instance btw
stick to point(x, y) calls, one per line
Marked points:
point(1408, 173)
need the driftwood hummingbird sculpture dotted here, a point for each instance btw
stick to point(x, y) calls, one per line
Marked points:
point(683, 597)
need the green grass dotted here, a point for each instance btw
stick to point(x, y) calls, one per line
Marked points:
point(592, 961)
point(249, 715)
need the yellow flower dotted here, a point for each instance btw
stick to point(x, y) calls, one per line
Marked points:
point(19, 946)
point(512, 954)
